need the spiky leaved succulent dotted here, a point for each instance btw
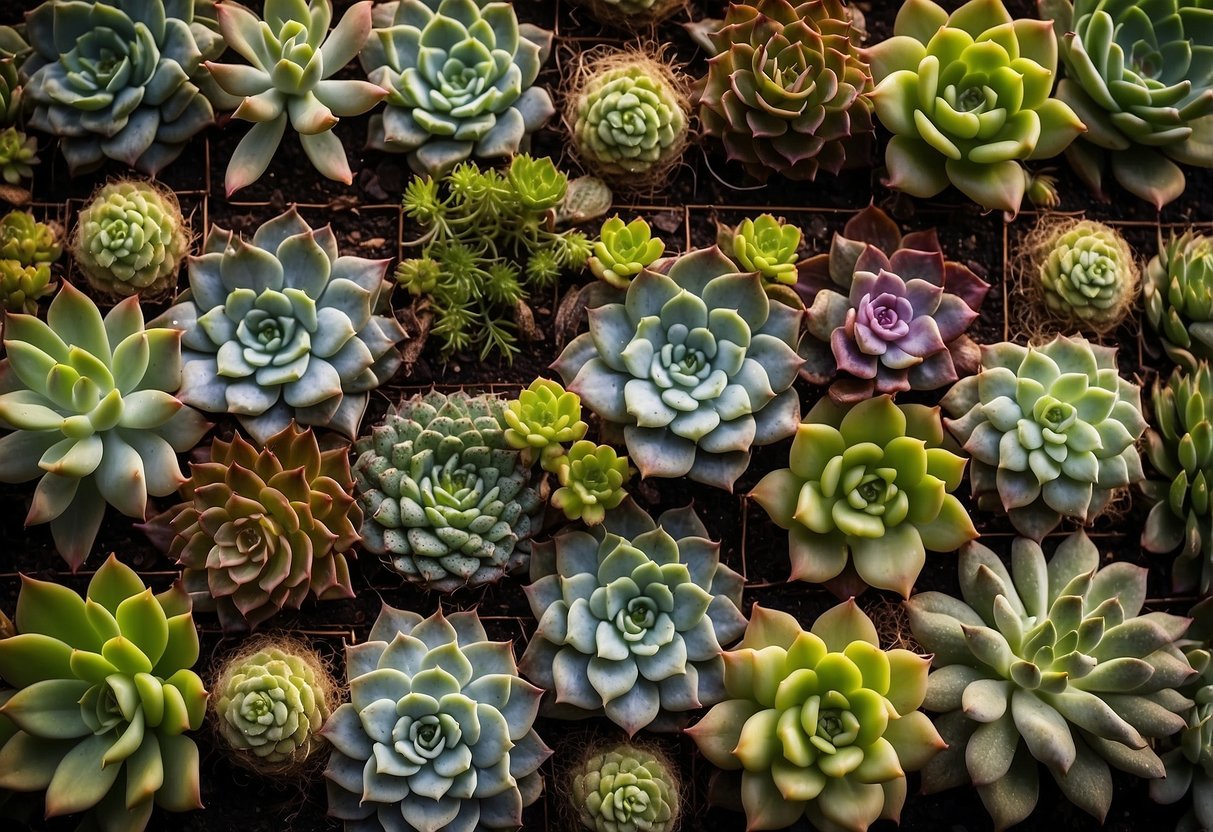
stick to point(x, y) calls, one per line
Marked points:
point(130, 238)
point(888, 311)
point(104, 697)
point(1178, 294)
point(787, 89)
point(459, 76)
point(543, 419)
point(624, 250)
point(1180, 447)
point(21, 287)
point(1141, 79)
point(967, 98)
point(284, 328)
point(626, 788)
point(1085, 271)
point(437, 734)
point(822, 724)
point(446, 500)
point(94, 419)
point(696, 366)
point(292, 57)
point(261, 529)
point(29, 242)
point(1048, 662)
point(118, 79)
point(765, 245)
point(867, 494)
point(592, 479)
point(18, 155)
point(1051, 431)
point(270, 704)
point(632, 618)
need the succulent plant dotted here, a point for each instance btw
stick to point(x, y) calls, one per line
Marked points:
point(630, 12)
point(283, 328)
point(538, 184)
point(1143, 85)
point(632, 617)
point(445, 498)
point(12, 104)
point(437, 734)
point(1051, 662)
point(292, 57)
point(94, 419)
point(459, 76)
point(1180, 447)
point(967, 98)
point(888, 311)
point(628, 118)
point(270, 703)
point(543, 419)
point(104, 696)
point(765, 245)
point(592, 479)
point(261, 529)
point(1178, 294)
point(822, 724)
point(131, 238)
point(1051, 430)
point(118, 79)
point(1085, 272)
point(624, 250)
point(787, 88)
point(696, 366)
point(626, 788)
point(21, 287)
point(867, 494)
point(29, 242)
point(18, 154)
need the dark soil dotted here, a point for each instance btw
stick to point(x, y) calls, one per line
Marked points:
point(368, 223)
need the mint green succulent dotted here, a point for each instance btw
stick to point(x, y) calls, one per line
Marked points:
point(765, 245)
point(21, 287)
point(18, 155)
point(624, 250)
point(29, 242)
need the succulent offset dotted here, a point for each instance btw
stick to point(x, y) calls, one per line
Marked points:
point(1141, 79)
point(543, 419)
point(632, 618)
point(104, 697)
point(592, 479)
point(94, 417)
point(437, 734)
point(18, 154)
point(1178, 294)
point(1049, 662)
point(282, 327)
point(626, 789)
point(765, 245)
point(459, 76)
point(118, 79)
point(967, 98)
point(1085, 272)
point(292, 57)
point(28, 248)
point(695, 366)
point(821, 724)
point(889, 312)
point(787, 90)
point(867, 494)
point(446, 501)
point(624, 250)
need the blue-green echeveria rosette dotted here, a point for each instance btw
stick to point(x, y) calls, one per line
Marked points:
point(119, 79)
point(632, 618)
point(438, 734)
point(459, 75)
point(284, 327)
point(693, 368)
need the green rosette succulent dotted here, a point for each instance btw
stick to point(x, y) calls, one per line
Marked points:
point(822, 724)
point(104, 698)
point(119, 79)
point(91, 406)
point(283, 327)
point(765, 245)
point(1178, 294)
point(632, 618)
point(18, 155)
point(292, 57)
point(445, 499)
point(1051, 430)
point(787, 89)
point(1086, 273)
point(543, 419)
point(1180, 447)
point(967, 98)
point(459, 76)
point(624, 250)
point(29, 242)
point(867, 494)
point(131, 238)
point(592, 479)
point(538, 184)
point(696, 366)
point(1141, 79)
point(1050, 662)
point(626, 789)
point(21, 287)
point(438, 733)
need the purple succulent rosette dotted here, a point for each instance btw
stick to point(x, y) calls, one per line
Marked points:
point(888, 312)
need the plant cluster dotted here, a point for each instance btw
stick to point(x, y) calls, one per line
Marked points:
point(28, 250)
point(18, 150)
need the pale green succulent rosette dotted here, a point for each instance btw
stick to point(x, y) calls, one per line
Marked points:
point(626, 789)
point(1087, 275)
point(592, 479)
point(1049, 662)
point(542, 420)
point(765, 245)
point(437, 735)
point(624, 250)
